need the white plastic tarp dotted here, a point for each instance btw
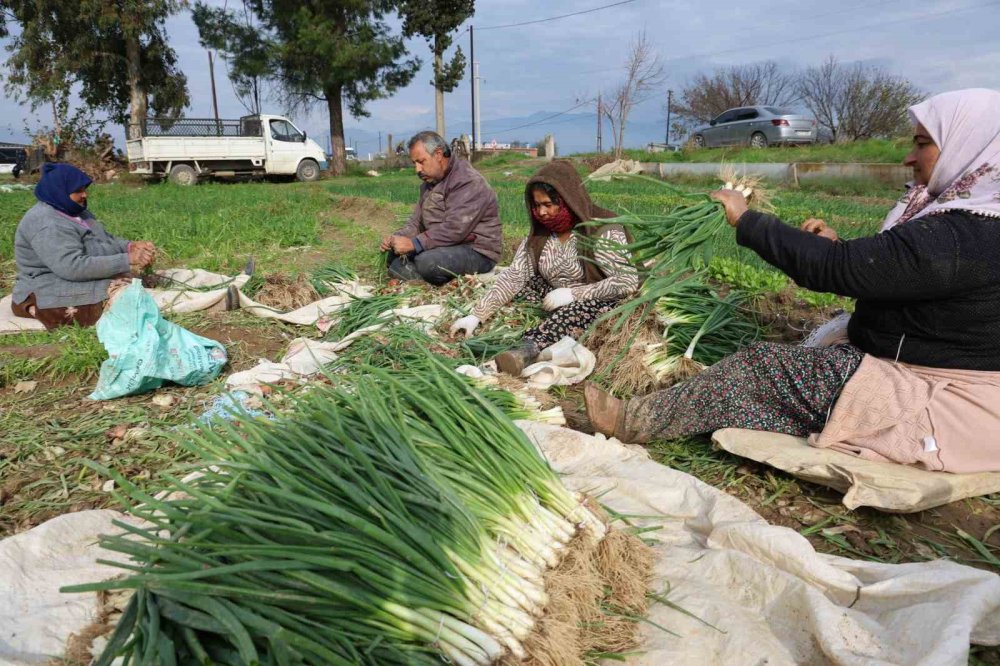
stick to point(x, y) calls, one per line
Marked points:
point(771, 598)
point(36, 619)
point(761, 594)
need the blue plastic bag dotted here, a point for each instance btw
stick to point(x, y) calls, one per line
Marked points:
point(145, 350)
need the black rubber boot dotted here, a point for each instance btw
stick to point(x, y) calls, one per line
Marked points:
point(517, 359)
point(232, 298)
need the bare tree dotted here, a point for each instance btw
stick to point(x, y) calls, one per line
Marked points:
point(821, 90)
point(644, 73)
point(857, 101)
point(762, 83)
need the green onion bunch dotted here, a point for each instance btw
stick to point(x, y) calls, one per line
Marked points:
point(326, 277)
point(701, 327)
point(666, 249)
point(396, 518)
point(361, 312)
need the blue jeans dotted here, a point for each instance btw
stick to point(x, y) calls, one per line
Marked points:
point(440, 265)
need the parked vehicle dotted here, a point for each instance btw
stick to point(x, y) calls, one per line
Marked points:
point(187, 149)
point(16, 158)
point(756, 126)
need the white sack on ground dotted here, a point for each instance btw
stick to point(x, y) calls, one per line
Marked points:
point(313, 314)
point(881, 485)
point(11, 323)
point(566, 362)
point(775, 598)
point(36, 619)
point(190, 290)
point(618, 168)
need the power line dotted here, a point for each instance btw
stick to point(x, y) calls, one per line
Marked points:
point(546, 119)
point(795, 39)
point(556, 18)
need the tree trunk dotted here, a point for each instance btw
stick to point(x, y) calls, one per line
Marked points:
point(334, 104)
point(137, 93)
point(620, 139)
point(438, 92)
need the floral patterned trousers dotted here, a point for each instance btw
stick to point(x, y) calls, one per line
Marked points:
point(572, 319)
point(767, 386)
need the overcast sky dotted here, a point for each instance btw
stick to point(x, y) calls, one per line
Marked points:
point(938, 44)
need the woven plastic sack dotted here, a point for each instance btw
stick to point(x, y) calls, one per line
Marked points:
point(145, 350)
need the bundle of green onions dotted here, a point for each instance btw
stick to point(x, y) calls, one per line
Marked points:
point(360, 313)
point(326, 278)
point(393, 519)
point(701, 328)
point(668, 249)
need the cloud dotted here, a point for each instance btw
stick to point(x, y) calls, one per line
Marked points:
point(937, 44)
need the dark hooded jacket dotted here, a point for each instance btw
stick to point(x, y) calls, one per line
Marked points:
point(562, 175)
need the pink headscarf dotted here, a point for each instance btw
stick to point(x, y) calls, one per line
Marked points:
point(965, 125)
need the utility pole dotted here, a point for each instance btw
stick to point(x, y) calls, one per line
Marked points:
point(478, 131)
point(215, 99)
point(472, 85)
point(600, 148)
point(380, 141)
point(670, 99)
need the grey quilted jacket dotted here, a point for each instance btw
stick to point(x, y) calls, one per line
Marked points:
point(65, 261)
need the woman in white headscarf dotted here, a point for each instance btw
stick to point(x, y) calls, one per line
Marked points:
point(919, 380)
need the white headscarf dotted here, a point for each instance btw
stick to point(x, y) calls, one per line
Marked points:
point(965, 125)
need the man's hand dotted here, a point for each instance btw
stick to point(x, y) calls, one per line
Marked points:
point(385, 244)
point(735, 203)
point(820, 228)
point(402, 245)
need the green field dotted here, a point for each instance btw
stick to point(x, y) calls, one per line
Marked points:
point(46, 431)
point(874, 150)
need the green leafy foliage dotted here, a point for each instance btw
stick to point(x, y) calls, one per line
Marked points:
point(342, 53)
point(121, 61)
point(436, 20)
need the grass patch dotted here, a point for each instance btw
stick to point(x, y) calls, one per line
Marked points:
point(214, 226)
point(55, 355)
point(885, 151)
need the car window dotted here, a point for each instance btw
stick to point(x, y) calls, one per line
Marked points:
point(726, 117)
point(746, 114)
point(282, 130)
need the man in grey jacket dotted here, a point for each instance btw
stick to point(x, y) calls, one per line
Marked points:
point(65, 259)
point(455, 227)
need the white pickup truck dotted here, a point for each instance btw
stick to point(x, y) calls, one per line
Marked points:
point(186, 149)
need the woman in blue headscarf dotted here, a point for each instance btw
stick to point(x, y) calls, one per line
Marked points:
point(65, 258)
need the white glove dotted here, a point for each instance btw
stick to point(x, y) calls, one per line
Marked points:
point(557, 298)
point(742, 189)
point(466, 324)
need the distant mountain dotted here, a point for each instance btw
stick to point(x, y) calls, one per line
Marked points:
point(574, 133)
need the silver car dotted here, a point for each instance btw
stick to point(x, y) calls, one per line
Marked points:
point(758, 126)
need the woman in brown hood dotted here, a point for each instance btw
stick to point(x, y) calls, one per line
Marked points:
point(573, 283)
